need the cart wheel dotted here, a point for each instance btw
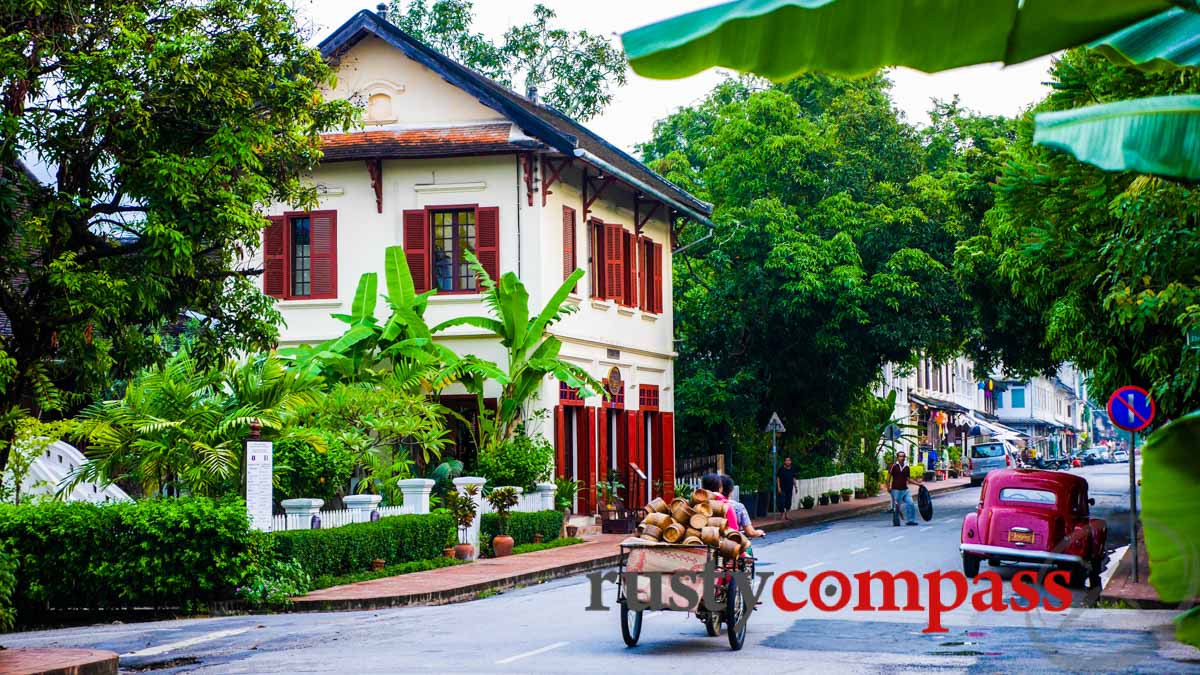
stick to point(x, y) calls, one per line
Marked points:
point(735, 609)
point(712, 624)
point(631, 625)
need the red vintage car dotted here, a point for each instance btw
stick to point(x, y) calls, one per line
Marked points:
point(1034, 516)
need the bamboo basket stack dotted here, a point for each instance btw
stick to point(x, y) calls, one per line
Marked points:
point(699, 521)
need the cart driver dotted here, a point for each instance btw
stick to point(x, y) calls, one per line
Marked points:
point(712, 483)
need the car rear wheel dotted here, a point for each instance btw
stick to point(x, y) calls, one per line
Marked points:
point(970, 566)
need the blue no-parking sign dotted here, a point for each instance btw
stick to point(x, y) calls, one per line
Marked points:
point(1131, 408)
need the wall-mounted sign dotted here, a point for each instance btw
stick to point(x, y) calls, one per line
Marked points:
point(258, 483)
point(614, 381)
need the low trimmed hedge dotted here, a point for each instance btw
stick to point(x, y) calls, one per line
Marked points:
point(351, 548)
point(545, 545)
point(521, 527)
point(388, 571)
point(154, 553)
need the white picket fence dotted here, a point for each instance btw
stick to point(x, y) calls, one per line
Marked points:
point(812, 487)
point(335, 518)
point(815, 487)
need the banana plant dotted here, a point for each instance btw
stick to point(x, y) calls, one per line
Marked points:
point(532, 353)
point(370, 350)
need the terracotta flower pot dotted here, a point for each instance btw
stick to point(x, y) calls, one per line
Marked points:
point(448, 551)
point(464, 551)
point(502, 545)
point(377, 564)
point(538, 538)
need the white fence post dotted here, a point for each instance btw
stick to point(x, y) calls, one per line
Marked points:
point(361, 506)
point(460, 484)
point(300, 512)
point(416, 493)
point(545, 492)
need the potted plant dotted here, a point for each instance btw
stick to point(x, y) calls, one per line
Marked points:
point(606, 491)
point(860, 493)
point(807, 501)
point(463, 508)
point(834, 496)
point(846, 494)
point(823, 499)
point(502, 500)
point(378, 564)
point(565, 490)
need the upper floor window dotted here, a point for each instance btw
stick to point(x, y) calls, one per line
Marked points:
point(1018, 397)
point(436, 240)
point(300, 256)
point(453, 238)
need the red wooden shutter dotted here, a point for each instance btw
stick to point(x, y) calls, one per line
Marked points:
point(632, 453)
point(602, 449)
point(416, 249)
point(643, 276)
point(568, 232)
point(614, 270)
point(597, 271)
point(667, 436)
point(275, 258)
point(560, 442)
point(324, 253)
point(629, 248)
point(487, 240)
point(586, 451)
point(658, 278)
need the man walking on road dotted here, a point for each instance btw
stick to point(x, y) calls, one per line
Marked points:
point(900, 475)
point(785, 482)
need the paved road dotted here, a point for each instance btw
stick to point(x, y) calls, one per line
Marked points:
point(545, 628)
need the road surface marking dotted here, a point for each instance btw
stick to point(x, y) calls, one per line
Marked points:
point(950, 520)
point(926, 529)
point(170, 646)
point(857, 551)
point(535, 652)
point(896, 538)
point(809, 567)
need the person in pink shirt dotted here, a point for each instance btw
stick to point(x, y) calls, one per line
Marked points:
point(712, 483)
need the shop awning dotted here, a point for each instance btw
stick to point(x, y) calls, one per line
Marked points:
point(995, 429)
point(935, 403)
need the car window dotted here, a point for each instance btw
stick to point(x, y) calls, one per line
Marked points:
point(987, 450)
point(1027, 495)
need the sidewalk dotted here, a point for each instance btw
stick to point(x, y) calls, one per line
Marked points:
point(1140, 594)
point(465, 582)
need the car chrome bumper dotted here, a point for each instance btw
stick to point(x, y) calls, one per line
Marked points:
point(1017, 554)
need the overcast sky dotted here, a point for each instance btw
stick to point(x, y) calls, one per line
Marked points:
point(630, 117)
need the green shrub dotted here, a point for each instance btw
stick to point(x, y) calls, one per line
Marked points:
point(8, 584)
point(351, 548)
point(303, 471)
point(807, 501)
point(521, 461)
point(388, 571)
point(917, 471)
point(269, 580)
point(153, 553)
point(553, 543)
point(521, 527)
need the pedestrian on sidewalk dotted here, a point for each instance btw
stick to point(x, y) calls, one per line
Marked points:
point(785, 482)
point(900, 475)
point(743, 516)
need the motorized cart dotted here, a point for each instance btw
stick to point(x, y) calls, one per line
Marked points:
point(643, 557)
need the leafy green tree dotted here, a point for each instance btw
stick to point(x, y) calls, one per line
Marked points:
point(574, 71)
point(167, 127)
point(1103, 265)
point(833, 255)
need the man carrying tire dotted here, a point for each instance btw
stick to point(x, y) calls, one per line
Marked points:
point(899, 475)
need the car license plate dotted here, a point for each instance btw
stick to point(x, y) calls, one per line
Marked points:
point(1020, 537)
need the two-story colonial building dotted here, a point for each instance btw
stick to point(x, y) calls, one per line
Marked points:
point(447, 162)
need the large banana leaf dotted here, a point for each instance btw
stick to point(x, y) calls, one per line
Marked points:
point(780, 39)
point(363, 307)
point(1159, 135)
point(555, 309)
point(1162, 42)
point(1171, 517)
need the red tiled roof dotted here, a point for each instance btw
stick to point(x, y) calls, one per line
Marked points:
point(432, 142)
